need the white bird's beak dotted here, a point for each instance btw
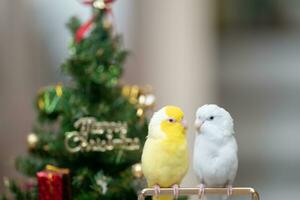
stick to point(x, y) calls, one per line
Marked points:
point(198, 124)
point(184, 123)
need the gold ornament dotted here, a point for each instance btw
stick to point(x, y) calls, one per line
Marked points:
point(41, 104)
point(58, 90)
point(100, 52)
point(106, 23)
point(141, 97)
point(132, 92)
point(46, 147)
point(102, 136)
point(6, 182)
point(57, 169)
point(140, 112)
point(32, 140)
point(137, 170)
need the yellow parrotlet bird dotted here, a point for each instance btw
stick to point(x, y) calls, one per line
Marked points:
point(165, 154)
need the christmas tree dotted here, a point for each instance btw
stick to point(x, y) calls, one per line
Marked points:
point(93, 126)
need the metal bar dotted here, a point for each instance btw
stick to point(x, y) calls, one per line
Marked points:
point(236, 191)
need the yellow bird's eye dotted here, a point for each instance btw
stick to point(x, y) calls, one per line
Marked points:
point(171, 120)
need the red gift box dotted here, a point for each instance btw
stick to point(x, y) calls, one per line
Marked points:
point(54, 184)
point(50, 185)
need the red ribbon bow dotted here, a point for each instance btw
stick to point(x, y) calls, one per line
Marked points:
point(85, 27)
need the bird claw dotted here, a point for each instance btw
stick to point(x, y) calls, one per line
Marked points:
point(156, 190)
point(175, 191)
point(229, 190)
point(201, 190)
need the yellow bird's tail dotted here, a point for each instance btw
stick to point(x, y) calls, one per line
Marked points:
point(162, 198)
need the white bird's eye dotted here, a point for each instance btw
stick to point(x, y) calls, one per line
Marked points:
point(171, 120)
point(211, 117)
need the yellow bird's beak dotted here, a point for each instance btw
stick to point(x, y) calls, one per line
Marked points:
point(184, 124)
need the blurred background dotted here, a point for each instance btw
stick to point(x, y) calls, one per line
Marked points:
point(241, 54)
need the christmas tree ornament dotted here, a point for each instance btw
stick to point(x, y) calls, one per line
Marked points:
point(145, 102)
point(99, 4)
point(49, 99)
point(165, 154)
point(6, 182)
point(141, 97)
point(137, 170)
point(103, 185)
point(100, 52)
point(132, 92)
point(107, 24)
point(104, 5)
point(54, 184)
point(102, 181)
point(84, 29)
point(93, 136)
point(139, 184)
point(215, 143)
point(32, 141)
point(50, 186)
point(66, 180)
point(46, 147)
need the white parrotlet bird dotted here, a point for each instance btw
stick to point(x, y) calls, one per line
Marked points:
point(165, 154)
point(215, 151)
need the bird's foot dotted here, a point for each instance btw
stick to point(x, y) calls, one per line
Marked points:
point(201, 190)
point(175, 190)
point(229, 190)
point(156, 190)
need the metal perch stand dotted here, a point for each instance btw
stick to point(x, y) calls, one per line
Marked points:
point(236, 191)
